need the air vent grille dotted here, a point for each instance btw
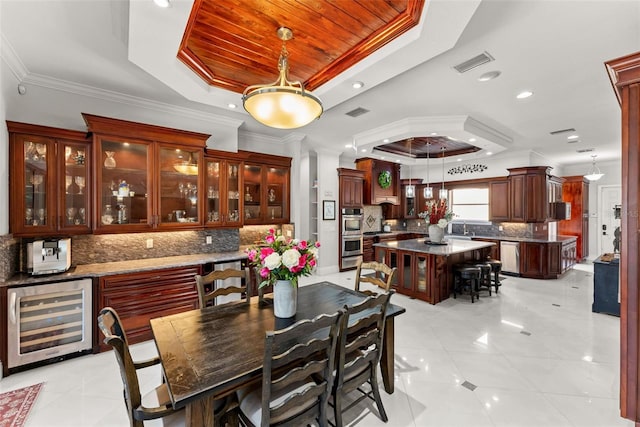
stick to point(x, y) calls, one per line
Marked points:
point(584, 150)
point(558, 132)
point(357, 112)
point(474, 62)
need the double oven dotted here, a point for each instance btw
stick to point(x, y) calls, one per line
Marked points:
point(351, 240)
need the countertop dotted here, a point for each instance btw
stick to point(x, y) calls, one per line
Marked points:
point(121, 267)
point(452, 247)
point(501, 238)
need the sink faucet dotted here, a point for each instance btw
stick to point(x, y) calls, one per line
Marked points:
point(464, 229)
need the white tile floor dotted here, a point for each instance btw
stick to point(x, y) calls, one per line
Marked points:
point(565, 373)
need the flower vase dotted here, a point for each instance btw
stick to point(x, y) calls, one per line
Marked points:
point(285, 299)
point(436, 233)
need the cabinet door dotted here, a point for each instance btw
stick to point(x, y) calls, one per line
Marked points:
point(179, 187)
point(499, 201)
point(517, 198)
point(277, 186)
point(233, 205)
point(124, 194)
point(405, 273)
point(74, 187)
point(556, 257)
point(422, 289)
point(33, 200)
point(253, 192)
point(536, 204)
point(213, 183)
point(533, 259)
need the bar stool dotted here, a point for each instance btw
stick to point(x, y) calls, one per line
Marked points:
point(484, 282)
point(466, 276)
point(496, 268)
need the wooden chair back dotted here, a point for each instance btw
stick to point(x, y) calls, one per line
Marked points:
point(110, 324)
point(380, 269)
point(208, 297)
point(359, 352)
point(132, 397)
point(292, 355)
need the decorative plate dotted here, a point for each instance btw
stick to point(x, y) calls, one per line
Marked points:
point(384, 179)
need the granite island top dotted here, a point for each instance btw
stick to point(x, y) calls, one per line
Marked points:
point(421, 245)
point(502, 238)
point(121, 267)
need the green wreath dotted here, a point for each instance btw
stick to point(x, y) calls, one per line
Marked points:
point(384, 179)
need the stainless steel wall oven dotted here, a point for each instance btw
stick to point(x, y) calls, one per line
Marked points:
point(48, 320)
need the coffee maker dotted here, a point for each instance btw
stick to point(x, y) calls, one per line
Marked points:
point(48, 256)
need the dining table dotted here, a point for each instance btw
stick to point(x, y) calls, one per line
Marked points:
point(210, 353)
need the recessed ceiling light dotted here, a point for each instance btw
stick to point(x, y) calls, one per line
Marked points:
point(434, 133)
point(524, 94)
point(459, 160)
point(489, 76)
point(357, 85)
point(397, 160)
point(573, 137)
point(232, 105)
point(382, 157)
point(162, 3)
point(364, 150)
point(489, 153)
point(385, 140)
point(348, 145)
point(472, 140)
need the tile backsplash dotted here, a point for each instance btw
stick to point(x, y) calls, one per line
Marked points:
point(372, 216)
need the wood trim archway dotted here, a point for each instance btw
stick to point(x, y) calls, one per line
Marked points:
point(625, 76)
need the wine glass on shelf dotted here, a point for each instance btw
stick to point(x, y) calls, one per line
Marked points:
point(28, 216)
point(41, 149)
point(71, 214)
point(68, 181)
point(83, 215)
point(36, 180)
point(80, 182)
point(42, 215)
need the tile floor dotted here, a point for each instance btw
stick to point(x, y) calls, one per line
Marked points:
point(535, 353)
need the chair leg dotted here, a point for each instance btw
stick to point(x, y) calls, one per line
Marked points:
point(337, 408)
point(376, 395)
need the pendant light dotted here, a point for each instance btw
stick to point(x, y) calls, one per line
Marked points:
point(410, 190)
point(594, 174)
point(427, 192)
point(443, 191)
point(282, 104)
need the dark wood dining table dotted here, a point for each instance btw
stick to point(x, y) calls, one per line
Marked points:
point(210, 353)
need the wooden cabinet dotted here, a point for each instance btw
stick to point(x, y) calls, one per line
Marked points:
point(531, 194)
point(494, 250)
point(367, 248)
point(223, 181)
point(499, 201)
point(411, 206)
point(375, 172)
point(147, 177)
point(266, 189)
point(575, 190)
point(351, 185)
point(546, 260)
point(49, 177)
point(139, 297)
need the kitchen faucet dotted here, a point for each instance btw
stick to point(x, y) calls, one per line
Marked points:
point(464, 229)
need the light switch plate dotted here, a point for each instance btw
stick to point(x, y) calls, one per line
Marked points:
point(149, 243)
point(209, 240)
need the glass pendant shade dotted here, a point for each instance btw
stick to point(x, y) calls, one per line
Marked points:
point(282, 104)
point(427, 192)
point(443, 193)
point(594, 174)
point(410, 191)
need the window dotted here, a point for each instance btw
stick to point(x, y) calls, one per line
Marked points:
point(470, 204)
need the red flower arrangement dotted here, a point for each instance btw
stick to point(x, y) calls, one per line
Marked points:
point(437, 213)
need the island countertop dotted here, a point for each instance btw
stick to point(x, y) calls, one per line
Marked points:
point(451, 247)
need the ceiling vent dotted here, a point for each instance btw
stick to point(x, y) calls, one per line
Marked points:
point(573, 141)
point(474, 62)
point(558, 132)
point(584, 150)
point(357, 112)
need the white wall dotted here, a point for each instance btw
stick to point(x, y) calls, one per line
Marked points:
point(328, 230)
point(4, 153)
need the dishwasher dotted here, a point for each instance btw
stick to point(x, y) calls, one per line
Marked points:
point(510, 257)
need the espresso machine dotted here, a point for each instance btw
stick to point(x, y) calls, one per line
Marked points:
point(48, 256)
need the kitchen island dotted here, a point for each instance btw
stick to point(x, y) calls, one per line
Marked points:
point(425, 269)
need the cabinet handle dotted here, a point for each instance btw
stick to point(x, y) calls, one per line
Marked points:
point(12, 308)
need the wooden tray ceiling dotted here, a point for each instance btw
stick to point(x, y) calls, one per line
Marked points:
point(417, 147)
point(233, 44)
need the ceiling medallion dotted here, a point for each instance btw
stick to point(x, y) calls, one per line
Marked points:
point(467, 168)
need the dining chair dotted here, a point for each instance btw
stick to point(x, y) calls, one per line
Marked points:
point(359, 352)
point(380, 269)
point(297, 375)
point(155, 404)
point(110, 324)
point(208, 292)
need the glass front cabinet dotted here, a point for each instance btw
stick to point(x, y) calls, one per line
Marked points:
point(223, 183)
point(266, 190)
point(49, 180)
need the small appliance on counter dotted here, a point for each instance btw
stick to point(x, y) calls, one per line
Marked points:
point(48, 256)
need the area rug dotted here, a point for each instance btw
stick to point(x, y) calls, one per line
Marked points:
point(16, 404)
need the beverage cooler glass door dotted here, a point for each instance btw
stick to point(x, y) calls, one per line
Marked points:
point(49, 320)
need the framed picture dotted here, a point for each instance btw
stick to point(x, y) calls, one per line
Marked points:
point(328, 209)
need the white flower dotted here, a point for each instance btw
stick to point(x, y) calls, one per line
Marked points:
point(290, 258)
point(442, 223)
point(272, 261)
point(281, 238)
point(314, 251)
point(295, 241)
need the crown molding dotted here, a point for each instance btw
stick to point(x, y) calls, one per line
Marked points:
point(11, 58)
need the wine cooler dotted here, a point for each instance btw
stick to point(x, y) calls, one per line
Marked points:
point(47, 321)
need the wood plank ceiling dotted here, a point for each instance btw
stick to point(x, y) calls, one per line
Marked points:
point(428, 146)
point(233, 44)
